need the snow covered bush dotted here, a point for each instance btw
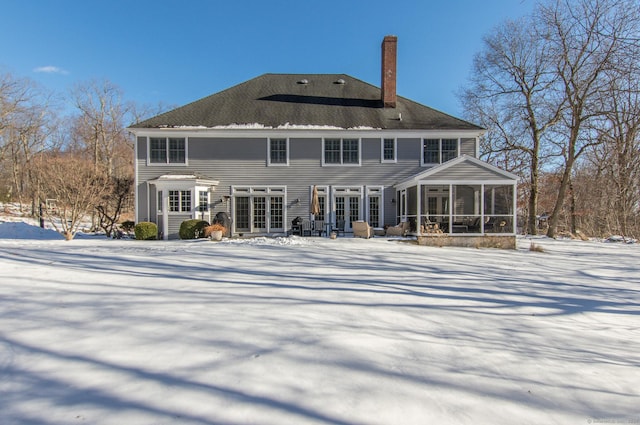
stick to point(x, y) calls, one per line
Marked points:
point(146, 230)
point(192, 229)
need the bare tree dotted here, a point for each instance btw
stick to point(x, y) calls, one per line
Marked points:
point(512, 94)
point(101, 126)
point(27, 117)
point(617, 158)
point(69, 179)
point(588, 39)
point(113, 203)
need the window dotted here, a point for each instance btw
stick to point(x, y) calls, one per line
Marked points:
point(374, 211)
point(374, 208)
point(388, 150)
point(167, 150)
point(179, 200)
point(277, 212)
point(332, 151)
point(242, 212)
point(341, 152)
point(437, 151)
point(259, 212)
point(203, 201)
point(449, 149)
point(278, 152)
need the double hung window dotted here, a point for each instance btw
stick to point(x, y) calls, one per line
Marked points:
point(167, 150)
point(341, 152)
point(388, 150)
point(437, 151)
point(278, 152)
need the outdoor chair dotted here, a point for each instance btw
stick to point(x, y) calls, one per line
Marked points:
point(318, 226)
point(399, 230)
point(305, 228)
point(339, 227)
point(429, 226)
point(361, 229)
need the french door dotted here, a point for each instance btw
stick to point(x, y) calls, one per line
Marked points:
point(259, 210)
point(348, 205)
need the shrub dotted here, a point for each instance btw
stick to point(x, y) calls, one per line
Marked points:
point(127, 226)
point(192, 229)
point(145, 231)
point(212, 228)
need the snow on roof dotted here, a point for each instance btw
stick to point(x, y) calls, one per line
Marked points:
point(257, 126)
point(177, 177)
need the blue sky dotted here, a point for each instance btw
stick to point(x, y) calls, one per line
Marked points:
point(174, 52)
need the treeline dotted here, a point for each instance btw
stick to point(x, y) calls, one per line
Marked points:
point(559, 92)
point(83, 160)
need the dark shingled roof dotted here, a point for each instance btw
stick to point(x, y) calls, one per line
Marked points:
point(334, 100)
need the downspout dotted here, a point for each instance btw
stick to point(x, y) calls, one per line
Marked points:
point(165, 215)
point(515, 209)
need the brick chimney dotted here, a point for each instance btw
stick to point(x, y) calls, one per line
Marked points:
point(388, 85)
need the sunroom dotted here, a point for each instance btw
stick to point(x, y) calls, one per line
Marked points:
point(458, 202)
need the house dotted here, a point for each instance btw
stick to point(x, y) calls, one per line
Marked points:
point(260, 150)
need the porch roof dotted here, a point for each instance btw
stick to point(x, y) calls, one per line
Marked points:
point(190, 180)
point(463, 169)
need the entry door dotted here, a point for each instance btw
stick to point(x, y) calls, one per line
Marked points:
point(348, 209)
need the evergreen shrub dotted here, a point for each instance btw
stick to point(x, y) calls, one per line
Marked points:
point(192, 229)
point(145, 231)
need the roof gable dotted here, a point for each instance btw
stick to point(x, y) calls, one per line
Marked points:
point(459, 169)
point(284, 100)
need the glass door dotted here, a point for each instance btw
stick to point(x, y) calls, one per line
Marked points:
point(348, 206)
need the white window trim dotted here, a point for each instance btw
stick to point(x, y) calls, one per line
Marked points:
point(168, 164)
point(180, 190)
point(252, 191)
point(341, 164)
point(378, 192)
point(425, 164)
point(277, 164)
point(395, 151)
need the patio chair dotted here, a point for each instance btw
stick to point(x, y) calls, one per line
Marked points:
point(399, 230)
point(305, 228)
point(318, 226)
point(339, 227)
point(429, 226)
point(361, 229)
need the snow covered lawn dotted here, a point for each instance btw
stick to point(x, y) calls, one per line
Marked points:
point(317, 331)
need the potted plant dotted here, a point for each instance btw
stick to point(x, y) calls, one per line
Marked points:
point(214, 231)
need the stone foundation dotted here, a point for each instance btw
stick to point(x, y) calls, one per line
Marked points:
point(486, 241)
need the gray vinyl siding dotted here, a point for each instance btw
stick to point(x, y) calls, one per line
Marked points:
point(243, 162)
point(175, 220)
point(467, 171)
point(468, 147)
